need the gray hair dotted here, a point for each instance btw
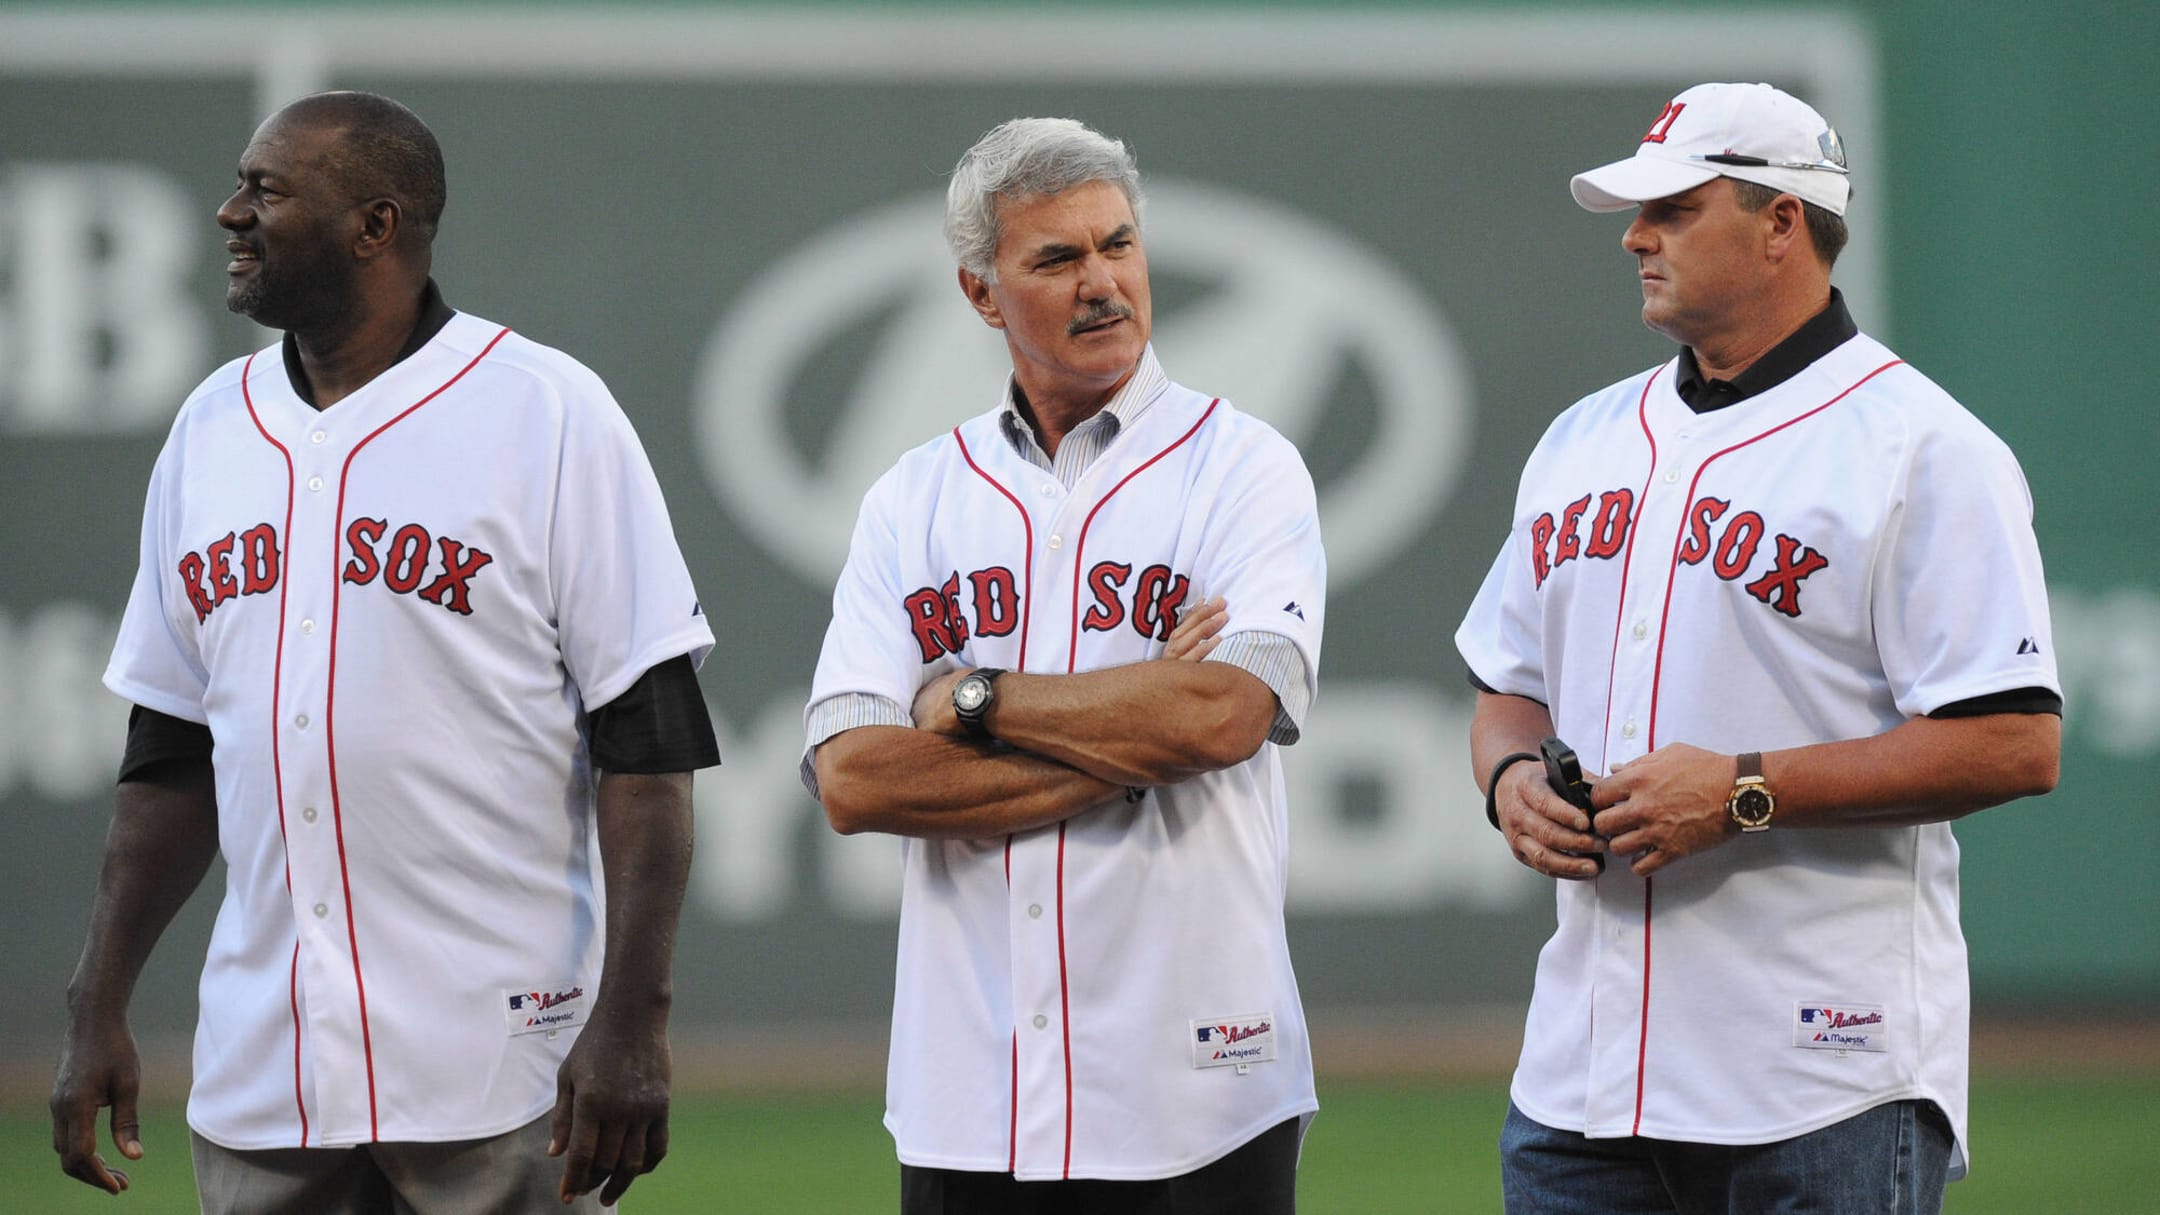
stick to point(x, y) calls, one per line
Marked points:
point(1027, 156)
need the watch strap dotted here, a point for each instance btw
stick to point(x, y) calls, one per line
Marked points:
point(1492, 787)
point(971, 720)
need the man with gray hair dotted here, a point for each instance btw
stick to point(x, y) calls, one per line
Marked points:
point(1069, 638)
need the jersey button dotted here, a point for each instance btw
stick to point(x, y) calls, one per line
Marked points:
point(1050, 491)
point(315, 483)
point(1041, 1020)
point(1034, 911)
point(300, 720)
point(321, 910)
point(308, 814)
point(318, 437)
point(1641, 630)
point(308, 626)
point(1671, 475)
point(1628, 730)
point(1056, 541)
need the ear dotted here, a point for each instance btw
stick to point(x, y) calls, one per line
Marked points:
point(382, 221)
point(1785, 228)
point(979, 297)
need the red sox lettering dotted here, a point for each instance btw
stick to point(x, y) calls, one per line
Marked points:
point(405, 561)
point(250, 562)
point(942, 624)
point(211, 576)
point(1730, 549)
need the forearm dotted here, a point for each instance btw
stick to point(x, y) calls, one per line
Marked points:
point(1926, 770)
point(911, 782)
point(1149, 723)
point(1501, 726)
point(645, 830)
point(163, 837)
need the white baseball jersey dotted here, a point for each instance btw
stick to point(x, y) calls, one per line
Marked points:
point(1840, 553)
point(392, 614)
point(1110, 997)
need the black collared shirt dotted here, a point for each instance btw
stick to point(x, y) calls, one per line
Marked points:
point(434, 314)
point(1825, 331)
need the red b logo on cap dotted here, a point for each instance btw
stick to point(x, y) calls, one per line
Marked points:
point(1666, 117)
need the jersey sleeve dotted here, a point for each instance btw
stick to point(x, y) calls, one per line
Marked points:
point(1265, 559)
point(1960, 600)
point(157, 660)
point(869, 650)
point(1498, 637)
point(624, 601)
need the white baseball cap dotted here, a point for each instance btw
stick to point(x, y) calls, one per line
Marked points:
point(1752, 132)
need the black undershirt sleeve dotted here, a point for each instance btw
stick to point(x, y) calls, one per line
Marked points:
point(2016, 700)
point(659, 725)
point(159, 745)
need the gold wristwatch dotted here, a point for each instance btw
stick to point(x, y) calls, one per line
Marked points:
point(1751, 803)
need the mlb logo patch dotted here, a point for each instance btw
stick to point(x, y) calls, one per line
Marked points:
point(1237, 1041)
point(545, 1008)
point(1838, 1026)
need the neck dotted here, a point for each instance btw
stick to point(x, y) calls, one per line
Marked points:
point(1755, 333)
point(1054, 409)
point(341, 359)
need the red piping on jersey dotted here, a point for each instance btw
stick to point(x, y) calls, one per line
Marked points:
point(1027, 603)
point(1642, 1044)
point(337, 810)
point(1027, 576)
point(292, 991)
point(1072, 659)
point(1064, 1001)
point(277, 683)
point(1658, 674)
point(1072, 651)
point(1627, 559)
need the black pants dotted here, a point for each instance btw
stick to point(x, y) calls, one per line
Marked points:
point(1259, 1178)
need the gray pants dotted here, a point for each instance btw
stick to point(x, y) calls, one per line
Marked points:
point(510, 1174)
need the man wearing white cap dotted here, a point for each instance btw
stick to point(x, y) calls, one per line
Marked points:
point(1783, 593)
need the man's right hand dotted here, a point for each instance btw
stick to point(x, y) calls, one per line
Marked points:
point(98, 1067)
point(1541, 828)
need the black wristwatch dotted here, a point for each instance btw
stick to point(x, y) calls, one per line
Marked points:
point(972, 698)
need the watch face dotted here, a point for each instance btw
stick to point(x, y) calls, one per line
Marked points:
point(1751, 806)
point(971, 693)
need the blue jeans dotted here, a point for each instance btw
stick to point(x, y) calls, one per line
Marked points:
point(1890, 1160)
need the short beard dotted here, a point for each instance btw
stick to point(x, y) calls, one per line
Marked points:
point(309, 295)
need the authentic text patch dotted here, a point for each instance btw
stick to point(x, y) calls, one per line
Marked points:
point(1822, 1025)
point(1233, 1041)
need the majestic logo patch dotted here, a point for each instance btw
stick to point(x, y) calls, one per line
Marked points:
point(541, 1009)
point(1238, 1041)
point(1840, 1027)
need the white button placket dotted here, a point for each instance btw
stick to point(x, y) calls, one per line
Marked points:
point(1031, 906)
point(328, 996)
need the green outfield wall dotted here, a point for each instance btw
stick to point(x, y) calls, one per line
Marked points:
point(1359, 229)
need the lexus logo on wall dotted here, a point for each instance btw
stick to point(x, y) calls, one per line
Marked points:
point(857, 345)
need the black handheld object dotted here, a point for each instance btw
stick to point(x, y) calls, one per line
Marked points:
point(1564, 773)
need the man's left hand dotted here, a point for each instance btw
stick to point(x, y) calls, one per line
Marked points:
point(611, 1106)
point(1666, 805)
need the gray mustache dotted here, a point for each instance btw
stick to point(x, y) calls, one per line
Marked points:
point(1097, 314)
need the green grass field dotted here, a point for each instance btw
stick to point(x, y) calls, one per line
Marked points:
point(2070, 1146)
